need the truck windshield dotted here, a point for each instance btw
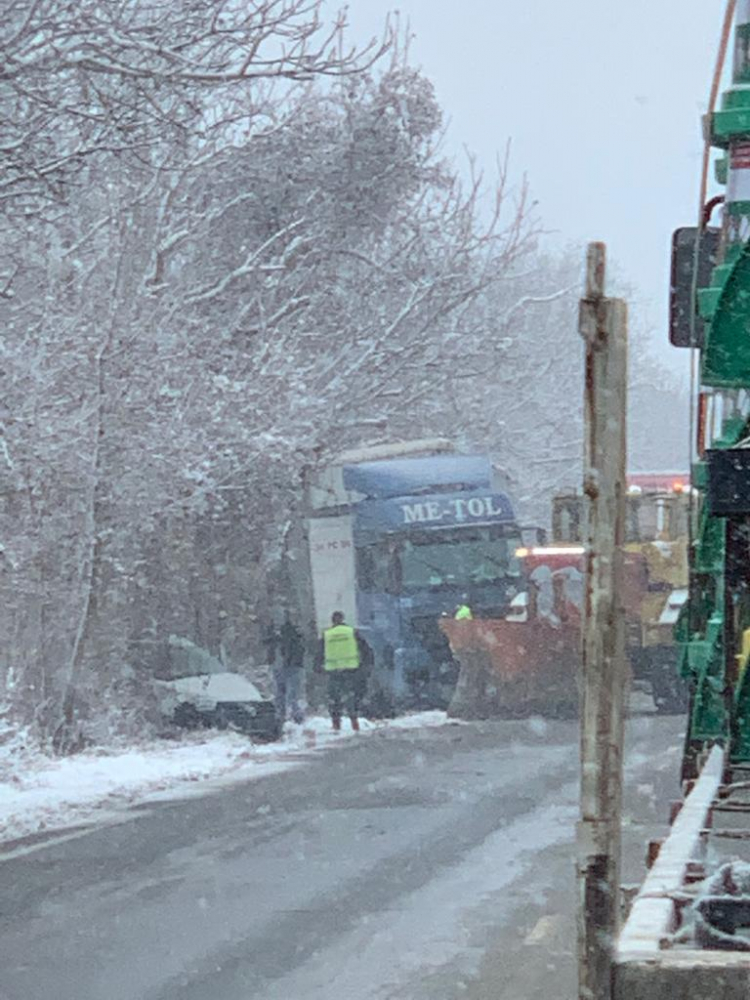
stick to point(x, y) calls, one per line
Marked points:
point(479, 556)
point(654, 517)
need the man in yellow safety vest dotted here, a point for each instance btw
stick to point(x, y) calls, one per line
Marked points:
point(463, 613)
point(341, 654)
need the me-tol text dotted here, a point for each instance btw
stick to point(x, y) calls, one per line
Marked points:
point(458, 509)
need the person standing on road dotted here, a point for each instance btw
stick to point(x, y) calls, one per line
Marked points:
point(463, 612)
point(287, 654)
point(341, 655)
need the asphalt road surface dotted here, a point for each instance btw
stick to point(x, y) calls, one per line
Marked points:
point(436, 863)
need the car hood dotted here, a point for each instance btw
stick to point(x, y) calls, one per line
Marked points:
point(215, 687)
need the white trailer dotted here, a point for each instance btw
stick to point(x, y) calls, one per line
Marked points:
point(332, 566)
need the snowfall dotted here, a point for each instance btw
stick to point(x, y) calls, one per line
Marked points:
point(39, 793)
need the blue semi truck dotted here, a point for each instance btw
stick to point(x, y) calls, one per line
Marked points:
point(400, 535)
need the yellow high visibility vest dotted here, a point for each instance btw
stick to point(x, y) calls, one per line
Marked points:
point(463, 613)
point(341, 650)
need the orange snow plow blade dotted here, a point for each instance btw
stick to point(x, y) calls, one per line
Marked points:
point(508, 669)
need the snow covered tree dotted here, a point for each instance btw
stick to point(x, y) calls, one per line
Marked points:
point(233, 250)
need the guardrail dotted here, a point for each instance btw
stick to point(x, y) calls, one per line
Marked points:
point(645, 967)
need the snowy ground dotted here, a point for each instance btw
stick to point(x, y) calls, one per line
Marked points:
point(39, 793)
point(426, 864)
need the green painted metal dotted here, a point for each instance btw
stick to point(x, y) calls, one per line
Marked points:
point(708, 301)
point(699, 475)
point(709, 298)
point(720, 708)
point(741, 69)
point(732, 119)
point(725, 359)
point(710, 719)
point(741, 734)
point(732, 431)
point(709, 554)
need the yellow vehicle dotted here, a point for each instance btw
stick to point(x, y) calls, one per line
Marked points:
point(528, 661)
point(656, 574)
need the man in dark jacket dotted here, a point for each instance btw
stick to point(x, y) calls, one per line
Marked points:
point(286, 652)
point(344, 655)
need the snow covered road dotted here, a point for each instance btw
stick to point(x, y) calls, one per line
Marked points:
point(39, 794)
point(411, 864)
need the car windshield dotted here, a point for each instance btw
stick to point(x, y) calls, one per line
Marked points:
point(457, 561)
point(184, 658)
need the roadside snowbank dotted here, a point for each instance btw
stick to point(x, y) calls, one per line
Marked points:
point(39, 793)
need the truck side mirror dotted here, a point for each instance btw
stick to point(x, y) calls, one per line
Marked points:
point(681, 304)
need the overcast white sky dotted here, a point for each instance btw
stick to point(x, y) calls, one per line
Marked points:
point(601, 99)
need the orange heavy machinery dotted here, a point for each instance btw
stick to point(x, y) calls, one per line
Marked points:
point(526, 662)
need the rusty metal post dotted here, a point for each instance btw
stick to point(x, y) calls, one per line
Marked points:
point(603, 326)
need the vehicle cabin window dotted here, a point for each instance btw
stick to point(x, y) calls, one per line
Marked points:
point(679, 509)
point(458, 559)
point(378, 568)
point(567, 519)
point(654, 518)
point(643, 519)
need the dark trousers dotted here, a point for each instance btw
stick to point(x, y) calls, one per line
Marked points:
point(344, 691)
point(288, 683)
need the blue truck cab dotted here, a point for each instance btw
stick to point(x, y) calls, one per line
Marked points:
point(424, 533)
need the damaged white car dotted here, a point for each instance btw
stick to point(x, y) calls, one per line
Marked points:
point(196, 689)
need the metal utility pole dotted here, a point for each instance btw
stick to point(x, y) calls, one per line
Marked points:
point(603, 326)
